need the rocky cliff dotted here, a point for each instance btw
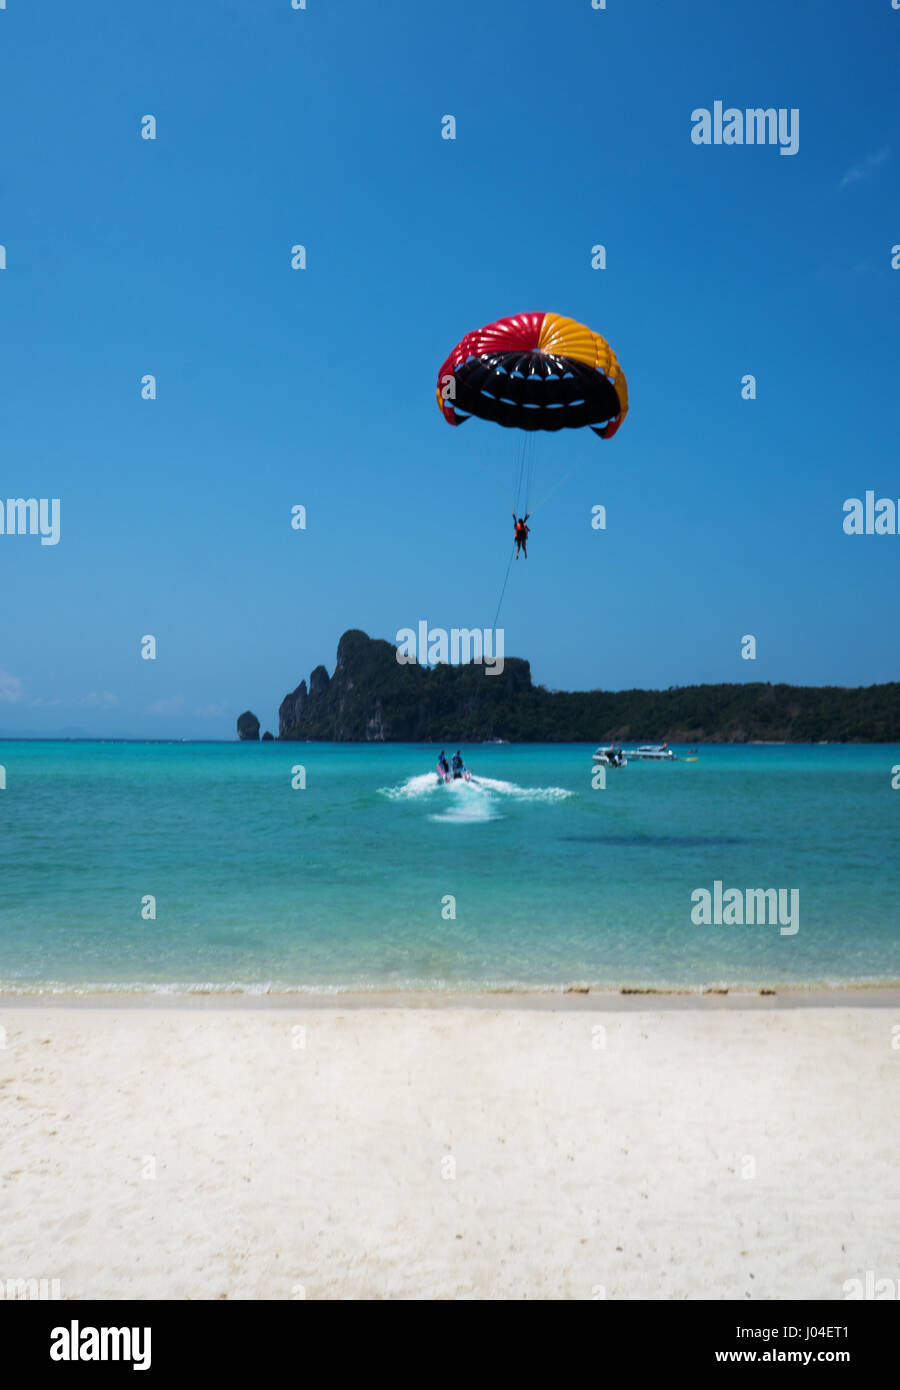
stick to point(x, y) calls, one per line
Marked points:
point(371, 697)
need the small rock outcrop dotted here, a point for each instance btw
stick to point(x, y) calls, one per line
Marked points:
point(267, 737)
point(248, 727)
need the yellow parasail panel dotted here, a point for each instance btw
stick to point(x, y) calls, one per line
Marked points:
point(568, 338)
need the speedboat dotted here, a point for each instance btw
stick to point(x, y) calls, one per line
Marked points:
point(460, 774)
point(654, 752)
point(614, 755)
point(610, 755)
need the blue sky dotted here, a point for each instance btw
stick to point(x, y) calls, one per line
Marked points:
point(316, 387)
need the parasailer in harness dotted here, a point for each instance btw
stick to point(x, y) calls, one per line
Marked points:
point(533, 372)
point(521, 533)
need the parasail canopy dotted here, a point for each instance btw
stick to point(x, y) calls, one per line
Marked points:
point(534, 372)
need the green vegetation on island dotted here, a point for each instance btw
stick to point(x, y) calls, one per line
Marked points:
point(372, 697)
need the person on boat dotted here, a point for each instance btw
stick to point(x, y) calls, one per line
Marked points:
point(521, 533)
point(443, 765)
point(459, 766)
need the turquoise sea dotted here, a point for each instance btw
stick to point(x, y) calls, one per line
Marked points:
point(352, 881)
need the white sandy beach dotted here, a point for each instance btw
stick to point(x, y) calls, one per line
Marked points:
point(728, 1153)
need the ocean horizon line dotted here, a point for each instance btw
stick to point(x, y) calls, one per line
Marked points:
point(469, 743)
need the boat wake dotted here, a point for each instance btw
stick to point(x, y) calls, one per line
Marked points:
point(461, 802)
point(494, 784)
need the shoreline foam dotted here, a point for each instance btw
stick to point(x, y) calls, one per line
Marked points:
point(561, 997)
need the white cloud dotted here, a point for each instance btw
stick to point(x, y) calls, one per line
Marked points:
point(12, 690)
point(865, 167)
point(171, 706)
point(104, 700)
point(210, 711)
